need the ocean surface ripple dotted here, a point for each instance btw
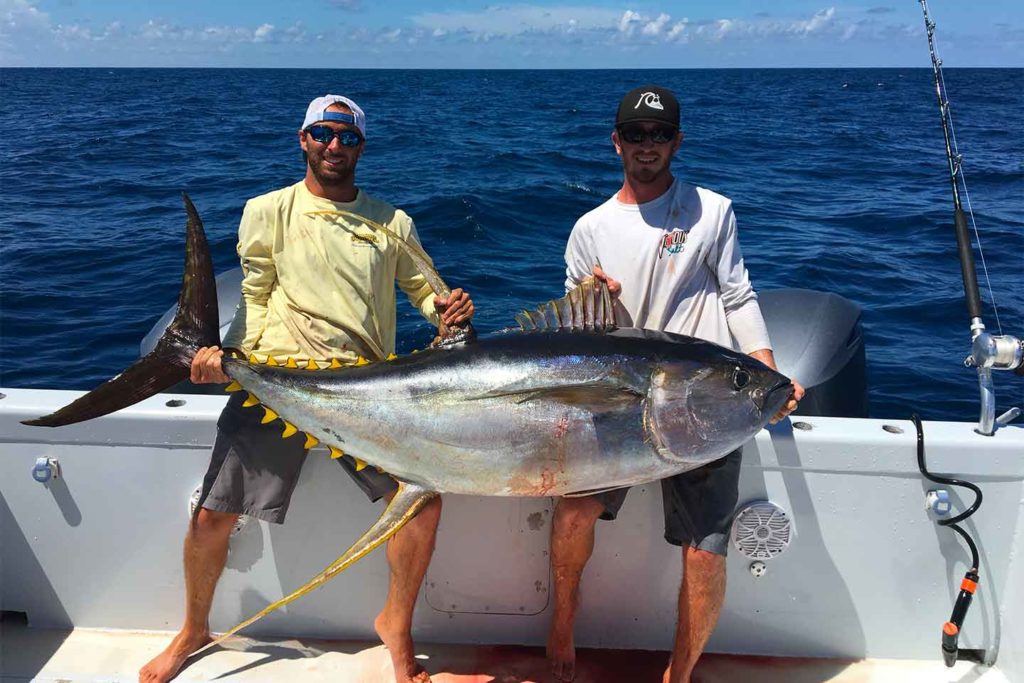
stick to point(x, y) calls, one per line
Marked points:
point(839, 180)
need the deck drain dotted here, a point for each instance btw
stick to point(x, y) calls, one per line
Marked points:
point(892, 429)
point(803, 426)
point(175, 403)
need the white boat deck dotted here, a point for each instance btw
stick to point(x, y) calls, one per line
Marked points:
point(859, 595)
point(88, 655)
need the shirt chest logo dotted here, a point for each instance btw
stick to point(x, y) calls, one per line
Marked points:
point(369, 240)
point(672, 243)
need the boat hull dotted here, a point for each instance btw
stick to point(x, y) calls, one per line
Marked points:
point(867, 574)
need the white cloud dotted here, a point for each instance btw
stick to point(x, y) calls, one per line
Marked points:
point(28, 35)
point(654, 28)
point(819, 22)
point(20, 18)
point(524, 20)
point(511, 20)
point(678, 32)
point(522, 23)
point(263, 33)
point(628, 20)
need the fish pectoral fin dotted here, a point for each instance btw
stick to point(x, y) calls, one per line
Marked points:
point(408, 501)
point(592, 492)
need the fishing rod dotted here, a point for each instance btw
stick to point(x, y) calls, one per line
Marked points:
point(988, 352)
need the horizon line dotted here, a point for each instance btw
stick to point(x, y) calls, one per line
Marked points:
point(500, 68)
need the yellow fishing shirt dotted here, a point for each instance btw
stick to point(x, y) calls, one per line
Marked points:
point(317, 287)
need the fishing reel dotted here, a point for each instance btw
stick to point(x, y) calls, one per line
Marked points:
point(994, 352)
point(997, 352)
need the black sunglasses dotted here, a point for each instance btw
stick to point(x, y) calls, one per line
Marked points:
point(658, 135)
point(324, 135)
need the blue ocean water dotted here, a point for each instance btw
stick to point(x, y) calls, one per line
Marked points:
point(839, 180)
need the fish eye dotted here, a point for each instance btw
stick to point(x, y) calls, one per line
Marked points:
point(740, 378)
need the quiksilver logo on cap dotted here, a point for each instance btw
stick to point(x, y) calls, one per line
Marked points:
point(650, 99)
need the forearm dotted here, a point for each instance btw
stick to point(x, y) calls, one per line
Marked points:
point(765, 356)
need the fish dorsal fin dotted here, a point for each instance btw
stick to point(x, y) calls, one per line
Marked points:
point(589, 307)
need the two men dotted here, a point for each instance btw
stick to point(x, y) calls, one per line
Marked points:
point(313, 292)
point(674, 251)
point(315, 287)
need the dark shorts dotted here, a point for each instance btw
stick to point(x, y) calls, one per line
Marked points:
point(253, 470)
point(699, 504)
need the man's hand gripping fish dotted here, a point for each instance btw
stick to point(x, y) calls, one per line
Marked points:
point(567, 404)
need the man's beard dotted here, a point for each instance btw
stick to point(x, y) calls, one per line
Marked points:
point(328, 178)
point(646, 173)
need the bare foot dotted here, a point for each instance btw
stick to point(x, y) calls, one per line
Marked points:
point(398, 641)
point(166, 665)
point(689, 678)
point(561, 651)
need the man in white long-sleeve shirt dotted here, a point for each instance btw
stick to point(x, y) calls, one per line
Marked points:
point(675, 258)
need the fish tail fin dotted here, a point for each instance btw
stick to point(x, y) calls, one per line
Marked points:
point(196, 324)
point(408, 501)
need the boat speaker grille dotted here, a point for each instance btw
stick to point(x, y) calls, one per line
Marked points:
point(761, 530)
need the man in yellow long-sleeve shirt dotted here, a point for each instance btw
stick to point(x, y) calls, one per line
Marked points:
point(318, 284)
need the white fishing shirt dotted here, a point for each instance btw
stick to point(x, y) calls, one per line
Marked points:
point(679, 261)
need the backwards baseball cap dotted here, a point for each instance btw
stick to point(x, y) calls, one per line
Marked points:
point(317, 111)
point(648, 103)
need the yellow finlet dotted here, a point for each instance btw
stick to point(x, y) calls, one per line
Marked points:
point(336, 453)
point(312, 365)
point(291, 363)
point(335, 364)
point(360, 464)
point(271, 361)
point(269, 416)
point(253, 360)
point(362, 361)
point(415, 350)
point(251, 401)
point(234, 386)
point(392, 356)
point(289, 429)
point(310, 441)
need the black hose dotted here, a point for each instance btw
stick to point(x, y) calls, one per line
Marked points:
point(951, 523)
point(951, 629)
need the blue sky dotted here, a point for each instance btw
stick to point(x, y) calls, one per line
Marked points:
point(470, 34)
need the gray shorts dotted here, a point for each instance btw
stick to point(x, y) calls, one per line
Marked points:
point(253, 471)
point(699, 504)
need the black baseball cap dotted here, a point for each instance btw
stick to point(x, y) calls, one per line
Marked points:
point(648, 103)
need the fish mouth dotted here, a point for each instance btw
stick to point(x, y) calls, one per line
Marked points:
point(776, 397)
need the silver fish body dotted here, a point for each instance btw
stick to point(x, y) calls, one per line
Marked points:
point(570, 406)
point(530, 414)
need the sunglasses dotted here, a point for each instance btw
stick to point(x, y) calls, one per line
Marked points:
point(635, 135)
point(324, 135)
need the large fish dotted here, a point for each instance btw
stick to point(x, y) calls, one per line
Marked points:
point(566, 405)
